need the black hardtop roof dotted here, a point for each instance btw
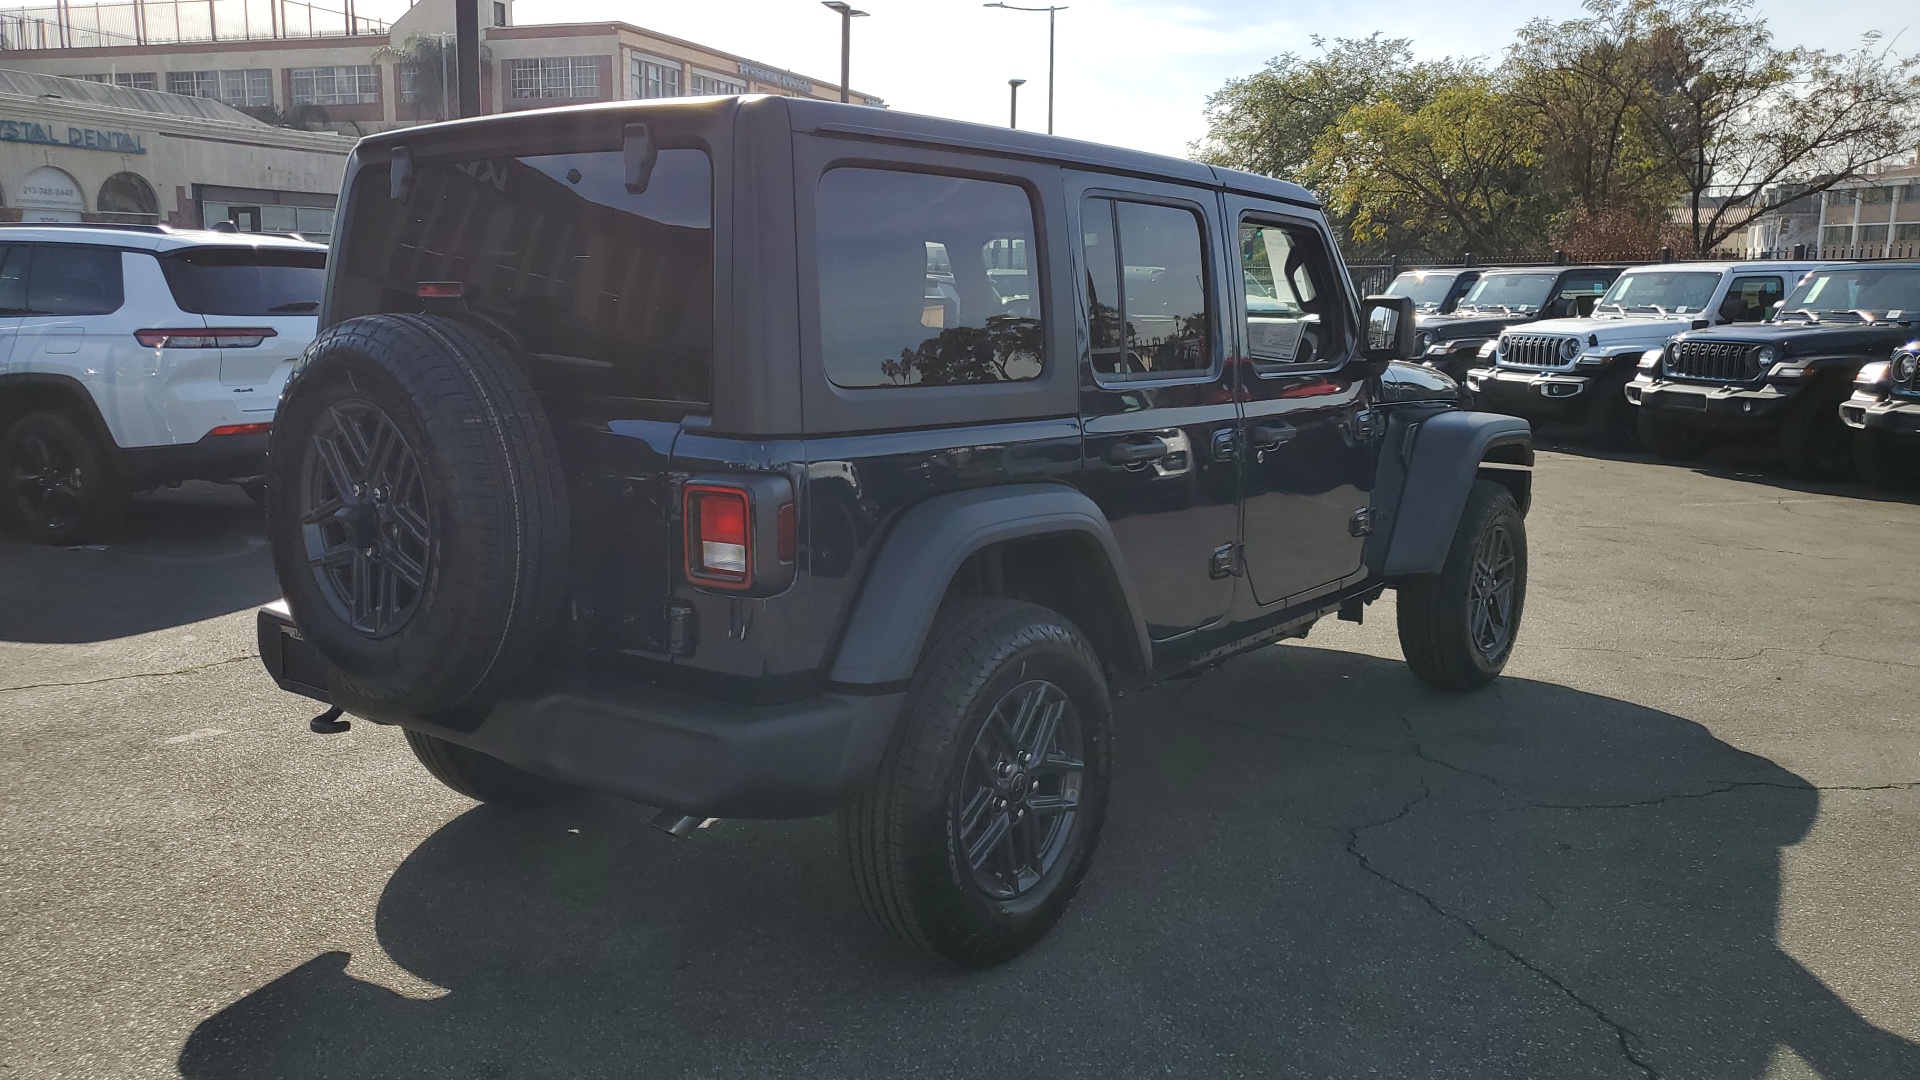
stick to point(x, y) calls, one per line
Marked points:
point(859, 121)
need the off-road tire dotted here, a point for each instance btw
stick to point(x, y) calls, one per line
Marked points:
point(93, 499)
point(1610, 421)
point(903, 832)
point(1667, 440)
point(1891, 463)
point(486, 481)
point(482, 777)
point(1815, 444)
point(1436, 611)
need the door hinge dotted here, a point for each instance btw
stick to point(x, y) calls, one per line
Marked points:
point(1226, 445)
point(1223, 563)
point(1363, 425)
point(1361, 523)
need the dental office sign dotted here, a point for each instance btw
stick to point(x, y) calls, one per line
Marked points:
point(26, 131)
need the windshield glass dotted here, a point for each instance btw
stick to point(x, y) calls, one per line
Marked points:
point(1677, 291)
point(1853, 292)
point(1516, 291)
point(1426, 288)
point(246, 281)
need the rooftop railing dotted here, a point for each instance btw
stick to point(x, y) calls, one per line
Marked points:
point(67, 25)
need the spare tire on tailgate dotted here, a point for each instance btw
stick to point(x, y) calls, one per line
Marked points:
point(417, 513)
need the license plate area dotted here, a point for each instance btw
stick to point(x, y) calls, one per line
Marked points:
point(1687, 402)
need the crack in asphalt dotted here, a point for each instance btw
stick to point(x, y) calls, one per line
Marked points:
point(1625, 1036)
point(194, 669)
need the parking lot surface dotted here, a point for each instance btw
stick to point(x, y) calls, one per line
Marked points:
point(1679, 839)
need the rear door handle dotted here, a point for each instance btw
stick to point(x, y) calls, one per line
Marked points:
point(1138, 449)
point(1265, 435)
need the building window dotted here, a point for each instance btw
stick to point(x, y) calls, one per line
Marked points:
point(409, 84)
point(345, 85)
point(137, 80)
point(252, 87)
point(556, 77)
point(1907, 234)
point(499, 13)
point(1876, 195)
point(650, 78)
point(1838, 235)
point(1873, 234)
point(714, 86)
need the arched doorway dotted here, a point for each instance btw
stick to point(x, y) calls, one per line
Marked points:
point(127, 197)
point(50, 194)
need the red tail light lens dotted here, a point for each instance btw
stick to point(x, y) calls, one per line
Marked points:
point(718, 541)
point(202, 337)
point(439, 290)
point(241, 429)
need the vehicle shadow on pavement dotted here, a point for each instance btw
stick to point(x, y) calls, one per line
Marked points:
point(185, 555)
point(1313, 867)
point(1745, 463)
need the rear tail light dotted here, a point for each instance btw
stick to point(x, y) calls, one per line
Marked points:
point(439, 290)
point(202, 337)
point(241, 429)
point(719, 543)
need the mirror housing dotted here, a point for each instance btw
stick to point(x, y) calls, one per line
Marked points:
point(1388, 322)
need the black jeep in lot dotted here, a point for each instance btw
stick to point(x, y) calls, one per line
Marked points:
point(1455, 342)
point(634, 455)
point(1783, 379)
point(1884, 413)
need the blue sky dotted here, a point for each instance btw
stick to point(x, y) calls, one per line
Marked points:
point(1131, 72)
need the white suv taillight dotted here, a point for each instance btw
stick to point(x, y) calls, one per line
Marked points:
point(225, 337)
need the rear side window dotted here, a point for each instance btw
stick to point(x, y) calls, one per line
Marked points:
point(924, 280)
point(67, 279)
point(246, 281)
point(1146, 290)
point(610, 292)
point(14, 259)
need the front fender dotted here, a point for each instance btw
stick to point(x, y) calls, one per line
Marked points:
point(907, 579)
point(1426, 469)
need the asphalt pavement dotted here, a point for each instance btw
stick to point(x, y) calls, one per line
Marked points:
point(1680, 838)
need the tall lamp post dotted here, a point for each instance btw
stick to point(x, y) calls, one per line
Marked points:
point(847, 15)
point(1013, 102)
point(1050, 13)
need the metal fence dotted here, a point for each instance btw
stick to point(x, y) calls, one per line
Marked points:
point(67, 25)
point(1374, 277)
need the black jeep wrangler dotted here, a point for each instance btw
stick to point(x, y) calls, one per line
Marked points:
point(1884, 413)
point(1456, 342)
point(635, 455)
point(1433, 292)
point(1783, 379)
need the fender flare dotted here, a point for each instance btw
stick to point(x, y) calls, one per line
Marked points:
point(906, 580)
point(1427, 469)
point(74, 394)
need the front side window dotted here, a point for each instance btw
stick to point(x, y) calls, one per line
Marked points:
point(1146, 290)
point(342, 85)
point(1750, 298)
point(908, 292)
point(610, 292)
point(653, 79)
point(1291, 317)
point(67, 279)
point(243, 88)
point(556, 77)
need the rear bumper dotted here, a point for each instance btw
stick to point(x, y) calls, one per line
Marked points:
point(1725, 408)
point(214, 457)
point(1552, 395)
point(700, 756)
point(1882, 414)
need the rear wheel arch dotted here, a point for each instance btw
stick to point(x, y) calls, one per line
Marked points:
point(33, 391)
point(1065, 572)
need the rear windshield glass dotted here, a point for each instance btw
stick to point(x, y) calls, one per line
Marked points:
point(611, 293)
point(245, 281)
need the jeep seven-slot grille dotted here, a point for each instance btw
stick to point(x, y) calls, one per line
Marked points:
point(1533, 350)
point(1718, 361)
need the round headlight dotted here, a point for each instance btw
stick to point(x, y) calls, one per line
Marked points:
point(1426, 340)
point(1569, 348)
point(1767, 355)
point(1905, 366)
point(1501, 348)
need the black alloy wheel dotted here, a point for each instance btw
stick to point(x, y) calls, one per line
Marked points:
point(366, 518)
point(1020, 790)
point(56, 486)
point(1495, 583)
point(46, 481)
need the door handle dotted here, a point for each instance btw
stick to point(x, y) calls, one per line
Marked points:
point(1136, 450)
point(1266, 435)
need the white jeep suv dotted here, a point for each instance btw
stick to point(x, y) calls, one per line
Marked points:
point(1579, 368)
point(137, 356)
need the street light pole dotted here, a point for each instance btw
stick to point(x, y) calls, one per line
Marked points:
point(1013, 103)
point(847, 15)
point(1051, 11)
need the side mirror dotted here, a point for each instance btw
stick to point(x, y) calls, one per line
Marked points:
point(1390, 331)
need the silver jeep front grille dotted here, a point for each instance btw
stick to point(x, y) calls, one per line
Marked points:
point(1715, 361)
point(1533, 350)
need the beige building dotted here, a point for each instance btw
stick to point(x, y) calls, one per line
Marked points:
point(72, 150)
point(293, 62)
point(1876, 216)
